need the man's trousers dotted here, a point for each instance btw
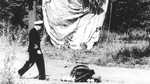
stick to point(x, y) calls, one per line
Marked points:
point(34, 58)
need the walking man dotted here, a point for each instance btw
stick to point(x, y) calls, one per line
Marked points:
point(35, 53)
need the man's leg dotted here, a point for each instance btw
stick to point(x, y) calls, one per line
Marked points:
point(41, 66)
point(27, 65)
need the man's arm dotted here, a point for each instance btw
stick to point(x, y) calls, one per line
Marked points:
point(33, 40)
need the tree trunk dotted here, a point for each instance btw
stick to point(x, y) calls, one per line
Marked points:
point(32, 13)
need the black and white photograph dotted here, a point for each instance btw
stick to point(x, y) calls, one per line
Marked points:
point(75, 42)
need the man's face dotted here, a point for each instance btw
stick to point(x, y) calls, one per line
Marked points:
point(38, 27)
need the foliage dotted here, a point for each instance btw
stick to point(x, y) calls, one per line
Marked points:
point(13, 11)
point(129, 14)
point(16, 12)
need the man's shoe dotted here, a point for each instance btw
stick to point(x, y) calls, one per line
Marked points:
point(36, 77)
point(41, 77)
point(20, 75)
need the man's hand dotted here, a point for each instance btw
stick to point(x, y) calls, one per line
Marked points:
point(39, 52)
point(35, 46)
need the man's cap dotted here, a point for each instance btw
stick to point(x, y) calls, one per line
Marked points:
point(39, 22)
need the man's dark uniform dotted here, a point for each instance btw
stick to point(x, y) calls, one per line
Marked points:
point(34, 57)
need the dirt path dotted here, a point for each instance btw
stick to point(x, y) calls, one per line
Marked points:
point(56, 69)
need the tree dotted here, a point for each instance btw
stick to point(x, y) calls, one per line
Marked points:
point(32, 13)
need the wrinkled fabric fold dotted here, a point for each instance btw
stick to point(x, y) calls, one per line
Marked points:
point(72, 22)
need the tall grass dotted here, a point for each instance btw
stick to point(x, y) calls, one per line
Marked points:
point(8, 71)
point(123, 50)
point(10, 42)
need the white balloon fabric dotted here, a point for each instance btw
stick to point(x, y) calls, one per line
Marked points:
point(72, 23)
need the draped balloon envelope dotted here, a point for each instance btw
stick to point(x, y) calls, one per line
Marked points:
point(74, 23)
